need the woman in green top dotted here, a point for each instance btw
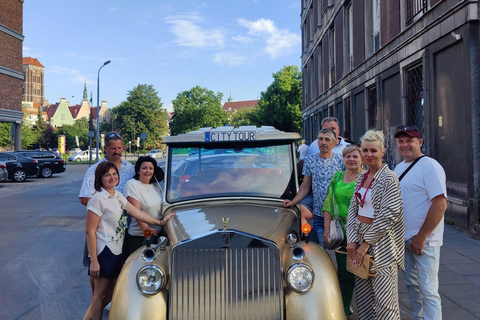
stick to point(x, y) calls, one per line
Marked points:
point(340, 192)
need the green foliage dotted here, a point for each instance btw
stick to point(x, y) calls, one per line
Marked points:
point(142, 112)
point(244, 117)
point(78, 129)
point(280, 105)
point(29, 137)
point(5, 136)
point(197, 108)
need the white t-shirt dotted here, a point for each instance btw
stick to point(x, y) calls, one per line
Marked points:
point(338, 149)
point(302, 151)
point(419, 186)
point(111, 227)
point(149, 196)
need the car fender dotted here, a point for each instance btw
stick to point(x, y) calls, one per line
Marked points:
point(128, 303)
point(324, 300)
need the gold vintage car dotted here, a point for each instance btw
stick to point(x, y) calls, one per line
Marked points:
point(232, 251)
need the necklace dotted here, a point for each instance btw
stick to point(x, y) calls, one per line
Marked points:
point(349, 177)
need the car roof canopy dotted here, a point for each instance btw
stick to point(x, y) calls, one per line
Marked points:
point(228, 134)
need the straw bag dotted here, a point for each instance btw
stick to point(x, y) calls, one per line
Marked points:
point(364, 270)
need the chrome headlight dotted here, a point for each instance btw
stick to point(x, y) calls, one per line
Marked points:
point(150, 279)
point(300, 277)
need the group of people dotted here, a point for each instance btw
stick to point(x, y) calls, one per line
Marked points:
point(395, 216)
point(109, 188)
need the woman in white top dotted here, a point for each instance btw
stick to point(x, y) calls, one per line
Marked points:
point(375, 226)
point(144, 193)
point(105, 229)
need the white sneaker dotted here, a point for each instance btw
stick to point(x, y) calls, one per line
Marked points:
point(107, 307)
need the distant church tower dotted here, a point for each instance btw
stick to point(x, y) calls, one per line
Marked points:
point(230, 99)
point(85, 93)
point(33, 87)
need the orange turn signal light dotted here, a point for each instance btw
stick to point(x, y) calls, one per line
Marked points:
point(147, 233)
point(306, 228)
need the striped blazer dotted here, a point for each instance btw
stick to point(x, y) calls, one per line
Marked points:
point(386, 233)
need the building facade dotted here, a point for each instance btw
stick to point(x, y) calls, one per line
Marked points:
point(381, 64)
point(11, 76)
point(33, 83)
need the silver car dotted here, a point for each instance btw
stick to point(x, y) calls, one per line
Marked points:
point(156, 154)
point(3, 171)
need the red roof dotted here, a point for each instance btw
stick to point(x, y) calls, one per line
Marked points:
point(50, 110)
point(32, 62)
point(94, 112)
point(74, 110)
point(234, 106)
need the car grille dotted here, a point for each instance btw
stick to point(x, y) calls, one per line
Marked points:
point(226, 283)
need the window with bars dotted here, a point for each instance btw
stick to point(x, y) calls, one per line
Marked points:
point(372, 106)
point(415, 8)
point(415, 101)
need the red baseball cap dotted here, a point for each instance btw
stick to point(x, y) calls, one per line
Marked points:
point(411, 131)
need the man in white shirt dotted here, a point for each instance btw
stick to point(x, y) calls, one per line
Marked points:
point(303, 150)
point(424, 203)
point(332, 124)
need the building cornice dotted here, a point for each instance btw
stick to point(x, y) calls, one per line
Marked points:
point(12, 73)
point(11, 32)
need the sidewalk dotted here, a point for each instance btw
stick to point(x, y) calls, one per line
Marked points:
point(459, 278)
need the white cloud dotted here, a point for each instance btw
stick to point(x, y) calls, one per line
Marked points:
point(229, 59)
point(278, 42)
point(190, 34)
point(243, 39)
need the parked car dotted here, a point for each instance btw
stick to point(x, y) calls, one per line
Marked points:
point(19, 166)
point(84, 155)
point(232, 251)
point(156, 154)
point(48, 161)
point(74, 150)
point(3, 171)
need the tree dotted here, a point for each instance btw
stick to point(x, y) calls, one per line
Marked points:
point(5, 135)
point(40, 128)
point(280, 105)
point(197, 108)
point(243, 117)
point(78, 129)
point(142, 112)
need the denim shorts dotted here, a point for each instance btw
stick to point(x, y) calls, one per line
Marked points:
point(307, 202)
point(110, 264)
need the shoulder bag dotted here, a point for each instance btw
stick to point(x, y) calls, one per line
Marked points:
point(336, 231)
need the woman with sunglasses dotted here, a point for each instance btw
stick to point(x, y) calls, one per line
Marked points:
point(337, 201)
point(375, 226)
point(144, 193)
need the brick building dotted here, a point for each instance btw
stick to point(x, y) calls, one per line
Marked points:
point(381, 64)
point(11, 75)
point(33, 85)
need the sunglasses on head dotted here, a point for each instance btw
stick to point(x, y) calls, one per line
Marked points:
point(407, 128)
point(112, 135)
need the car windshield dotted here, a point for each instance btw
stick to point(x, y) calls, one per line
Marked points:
point(263, 171)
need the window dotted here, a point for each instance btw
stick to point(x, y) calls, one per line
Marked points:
point(331, 47)
point(415, 8)
point(372, 107)
point(376, 25)
point(62, 116)
point(349, 36)
point(415, 101)
point(347, 117)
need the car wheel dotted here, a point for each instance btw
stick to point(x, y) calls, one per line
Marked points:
point(19, 175)
point(78, 159)
point(46, 172)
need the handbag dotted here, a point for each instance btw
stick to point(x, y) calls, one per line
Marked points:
point(336, 232)
point(364, 270)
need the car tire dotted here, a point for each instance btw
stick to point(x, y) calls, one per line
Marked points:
point(78, 159)
point(19, 175)
point(46, 172)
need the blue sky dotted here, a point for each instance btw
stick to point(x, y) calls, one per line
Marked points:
point(174, 45)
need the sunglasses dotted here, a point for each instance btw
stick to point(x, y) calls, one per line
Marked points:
point(113, 135)
point(358, 195)
point(407, 128)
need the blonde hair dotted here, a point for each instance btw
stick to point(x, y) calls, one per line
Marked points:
point(374, 135)
point(351, 148)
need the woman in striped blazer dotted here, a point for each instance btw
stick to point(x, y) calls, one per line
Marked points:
point(375, 226)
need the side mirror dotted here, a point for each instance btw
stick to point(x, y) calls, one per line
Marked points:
point(159, 174)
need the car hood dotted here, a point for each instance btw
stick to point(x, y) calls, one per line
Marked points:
point(269, 221)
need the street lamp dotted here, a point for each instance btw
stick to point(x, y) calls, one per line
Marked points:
point(98, 105)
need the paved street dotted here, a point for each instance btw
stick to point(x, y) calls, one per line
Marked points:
point(42, 238)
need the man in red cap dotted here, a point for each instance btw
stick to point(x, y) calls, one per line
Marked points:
point(423, 185)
